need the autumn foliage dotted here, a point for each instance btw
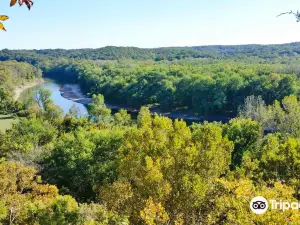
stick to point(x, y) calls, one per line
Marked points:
point(28, 3)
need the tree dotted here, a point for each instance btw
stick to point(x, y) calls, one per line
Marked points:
point(6, 102)
point(99, 215)
point(98, 110)
point(21, 191)
point(63, 210)
point(144, 117)
point(166, 171)
point(26, 200)
point(296, 14)
point(154, 213)
point(280, 117)
point(256, 109)
point(122, 118)
point(230, 203)
point(43, 98)
point(29, 133)
point(83, 160)
point(46, 106)
point(287, 116)
point(244, 133)
point(53, 112)
point(280, 161)
point(74, 111)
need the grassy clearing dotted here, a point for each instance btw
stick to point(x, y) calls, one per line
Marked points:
point(6, 122)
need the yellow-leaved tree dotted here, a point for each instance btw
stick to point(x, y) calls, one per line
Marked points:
point(28, 3)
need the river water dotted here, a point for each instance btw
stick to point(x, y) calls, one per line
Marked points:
point(66, 104)
point(60, 101)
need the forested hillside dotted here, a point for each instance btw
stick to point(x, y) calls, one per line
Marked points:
point(207, 80)
point(13, 74)
point(110, 169)
point(171, 53)
point(216, 87)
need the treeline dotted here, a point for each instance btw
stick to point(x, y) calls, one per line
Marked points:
point(203, 87)
point(12, 74)
point(200, 86)
point(100, 170)
point(109, 169)
point(267, 52)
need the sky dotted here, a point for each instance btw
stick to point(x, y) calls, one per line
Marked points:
point(72, 24)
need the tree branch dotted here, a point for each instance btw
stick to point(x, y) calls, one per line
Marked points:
point(296, 14)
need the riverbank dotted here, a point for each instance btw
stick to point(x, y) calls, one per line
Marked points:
point(21, 88)
point(73, 92)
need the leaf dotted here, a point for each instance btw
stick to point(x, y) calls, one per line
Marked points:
point(29, 3)
point(2, 27)
point(13, 2)
point(3, 18)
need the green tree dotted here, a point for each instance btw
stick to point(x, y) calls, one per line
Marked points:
point(74, 111)
point(83, 160)
point(43, 98)
point(245, 134)
point(98, 110)
point(122, 118)
point(63, 210)
point(230, 204)
point(256, 109)
point(26, 135)
point(144, 117)
point(280, 161)
point(98, 214)
point(171, 165)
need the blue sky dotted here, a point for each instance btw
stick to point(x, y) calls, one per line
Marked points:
point(154, 23)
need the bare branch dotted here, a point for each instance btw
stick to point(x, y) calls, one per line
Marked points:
point(296, 14)
point(291, 12)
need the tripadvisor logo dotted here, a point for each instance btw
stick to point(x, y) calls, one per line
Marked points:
point(259, 205)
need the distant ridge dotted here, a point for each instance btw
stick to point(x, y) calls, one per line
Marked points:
point(269, 51)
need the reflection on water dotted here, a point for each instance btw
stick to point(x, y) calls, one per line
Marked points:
point(54, 87)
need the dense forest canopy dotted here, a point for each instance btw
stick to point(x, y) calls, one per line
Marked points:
point(64, 170)
point(13, 74)
point(170, 53)
point(203, 87)
point(207, 80)
point(109, 169)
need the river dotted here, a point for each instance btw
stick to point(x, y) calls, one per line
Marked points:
point(66, 104)
point(60, 101)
